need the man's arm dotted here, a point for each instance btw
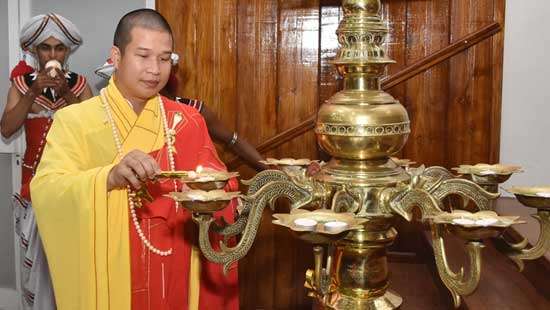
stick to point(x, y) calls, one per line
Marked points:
point(19, 105)
point(71, 98)
point(86, 93)
point(16, 110)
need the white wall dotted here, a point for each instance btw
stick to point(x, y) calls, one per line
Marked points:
point(525, 131)
point(4, 52)
point(7, 275)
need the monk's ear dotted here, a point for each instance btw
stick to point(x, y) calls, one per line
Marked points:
point(116, 56)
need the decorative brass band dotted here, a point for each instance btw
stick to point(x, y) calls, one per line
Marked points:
point(363, 130)
point(372, 53)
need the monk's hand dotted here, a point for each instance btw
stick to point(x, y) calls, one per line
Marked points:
point(43, 80)
point(134, 169)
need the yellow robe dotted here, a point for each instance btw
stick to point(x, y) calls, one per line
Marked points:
point(83, 227)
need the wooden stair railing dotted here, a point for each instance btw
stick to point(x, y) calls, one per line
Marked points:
point(440, 56)
point(395, 79)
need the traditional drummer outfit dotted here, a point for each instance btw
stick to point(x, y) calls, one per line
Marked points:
point(36, 287)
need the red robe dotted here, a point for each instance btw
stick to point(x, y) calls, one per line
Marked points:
point(161, 282)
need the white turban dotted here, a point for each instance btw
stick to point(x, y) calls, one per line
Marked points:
point(106, 70)
point(39, 28)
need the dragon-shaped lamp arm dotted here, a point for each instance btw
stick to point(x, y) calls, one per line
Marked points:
point(461, 283)
point(258, 201)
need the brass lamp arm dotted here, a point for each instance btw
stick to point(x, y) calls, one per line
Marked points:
point(460, 283)
point(429, 190)
point(262, 178)
point(269, 192)
point(229, 230)
point(257, 182)
point(404, 202)
point(542, 245)
point(434, 176)
point(468, 190)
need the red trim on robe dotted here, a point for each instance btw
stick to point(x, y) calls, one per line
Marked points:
point(19, 82)
point(21, 68)
point(43, 101)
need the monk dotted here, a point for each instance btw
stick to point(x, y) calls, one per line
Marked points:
point(107, 248)
point(33, 98)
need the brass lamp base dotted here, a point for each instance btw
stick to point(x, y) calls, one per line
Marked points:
point(362, 269)
point(390, 300)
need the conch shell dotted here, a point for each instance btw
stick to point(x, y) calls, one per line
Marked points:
point(51, 66)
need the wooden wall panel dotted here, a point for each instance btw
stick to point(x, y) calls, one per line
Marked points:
point(497, 57)
point(298, 63)
point(208, 53)
point(256, 121)
point(264, 67)
point(396, 14)
point(471, 87)
point(328, 77)
point(329, 81)
point(297, 77)
point(427, 32)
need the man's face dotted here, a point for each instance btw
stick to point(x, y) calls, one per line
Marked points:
point(51, 49)
point(144, 67)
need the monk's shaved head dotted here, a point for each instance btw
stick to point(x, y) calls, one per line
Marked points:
point(144, 18)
